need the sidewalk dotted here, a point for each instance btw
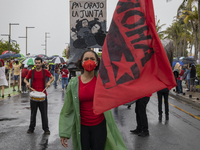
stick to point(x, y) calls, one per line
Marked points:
point(191, 98)
point(6, 92)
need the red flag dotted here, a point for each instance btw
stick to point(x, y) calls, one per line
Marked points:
point(134, 63)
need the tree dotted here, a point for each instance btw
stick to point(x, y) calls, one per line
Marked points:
point(175, 32)
point(4, 46)
point(187, 4)
point(192, 18)
point(158, 29)
point(65, 53)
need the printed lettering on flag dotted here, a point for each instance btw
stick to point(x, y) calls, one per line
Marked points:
point(134, 63)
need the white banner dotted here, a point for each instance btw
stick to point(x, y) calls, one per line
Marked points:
point(87, 23)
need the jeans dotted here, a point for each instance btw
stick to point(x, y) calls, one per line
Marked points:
point(188, 82)
point(180, 88)
point(56, 79)
point(52, 72)
point(64, 81)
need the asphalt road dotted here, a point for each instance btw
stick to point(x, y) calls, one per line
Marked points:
point(181, 132)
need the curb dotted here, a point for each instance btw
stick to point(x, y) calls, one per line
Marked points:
point(189, 101)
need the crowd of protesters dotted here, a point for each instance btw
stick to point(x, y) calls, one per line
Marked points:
point(187, 73)
point(13, 67)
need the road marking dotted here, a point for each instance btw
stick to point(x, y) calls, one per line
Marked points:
point(182, 110)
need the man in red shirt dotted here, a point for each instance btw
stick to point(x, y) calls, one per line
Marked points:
point(38, 84)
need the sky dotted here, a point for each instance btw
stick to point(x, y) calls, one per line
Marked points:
point(52, 16)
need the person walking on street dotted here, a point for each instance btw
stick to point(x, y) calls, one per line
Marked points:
point(16, 67)
point(179, 81)
point(56, 74)
point(64, 73)
point(38, 77)
point(24, 74)
point(3, 81)
point(142, 128)
point(192, 78)
point(7, 68)
point(165, 94)
point(90, 131)
point(176, 71)
point(187, 74)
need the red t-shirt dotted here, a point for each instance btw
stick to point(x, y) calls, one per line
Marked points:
point(180, 77)
point(86, 96)
point(38, 81)
point(64, 73)
point(24, 72)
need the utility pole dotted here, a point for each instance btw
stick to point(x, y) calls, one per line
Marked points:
point(26, 38)
point(46, 42)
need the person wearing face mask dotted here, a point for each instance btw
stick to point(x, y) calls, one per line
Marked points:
point(89, 131)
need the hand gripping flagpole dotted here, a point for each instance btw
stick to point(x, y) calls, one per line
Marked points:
point(9, 83)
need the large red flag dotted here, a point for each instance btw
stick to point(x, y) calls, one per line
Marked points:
point(134, 63)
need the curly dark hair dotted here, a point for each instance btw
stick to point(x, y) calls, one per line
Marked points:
point(78, 64)
point(39, 58)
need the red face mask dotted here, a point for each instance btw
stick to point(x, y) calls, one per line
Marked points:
point(89, 65)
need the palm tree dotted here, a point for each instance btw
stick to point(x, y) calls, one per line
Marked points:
point(192, 18)
point(158, 29)
point(187, 5)
point(175, 32)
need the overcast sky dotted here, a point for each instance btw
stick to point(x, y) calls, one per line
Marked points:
point(53, 16)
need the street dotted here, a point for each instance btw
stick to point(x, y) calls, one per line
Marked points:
point(181, 132)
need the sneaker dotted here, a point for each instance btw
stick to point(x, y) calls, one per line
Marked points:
point(136, 131)
point(14, 90)
point(2, 96)
point(47, 132)
point(30, 131)
point(143, 134)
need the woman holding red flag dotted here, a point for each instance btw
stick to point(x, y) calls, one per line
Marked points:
point(90, 131)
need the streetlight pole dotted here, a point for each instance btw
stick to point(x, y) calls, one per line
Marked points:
point(26, 38)
point(9, 35)
point(46, 42)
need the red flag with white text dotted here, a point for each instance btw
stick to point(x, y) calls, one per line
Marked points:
point(134, 63)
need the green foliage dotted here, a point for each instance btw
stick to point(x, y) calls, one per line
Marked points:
point(198, 71)
point(158, 29)
point(99, 54)
point(4, 46)
point(64, 54)
point(189, 15)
